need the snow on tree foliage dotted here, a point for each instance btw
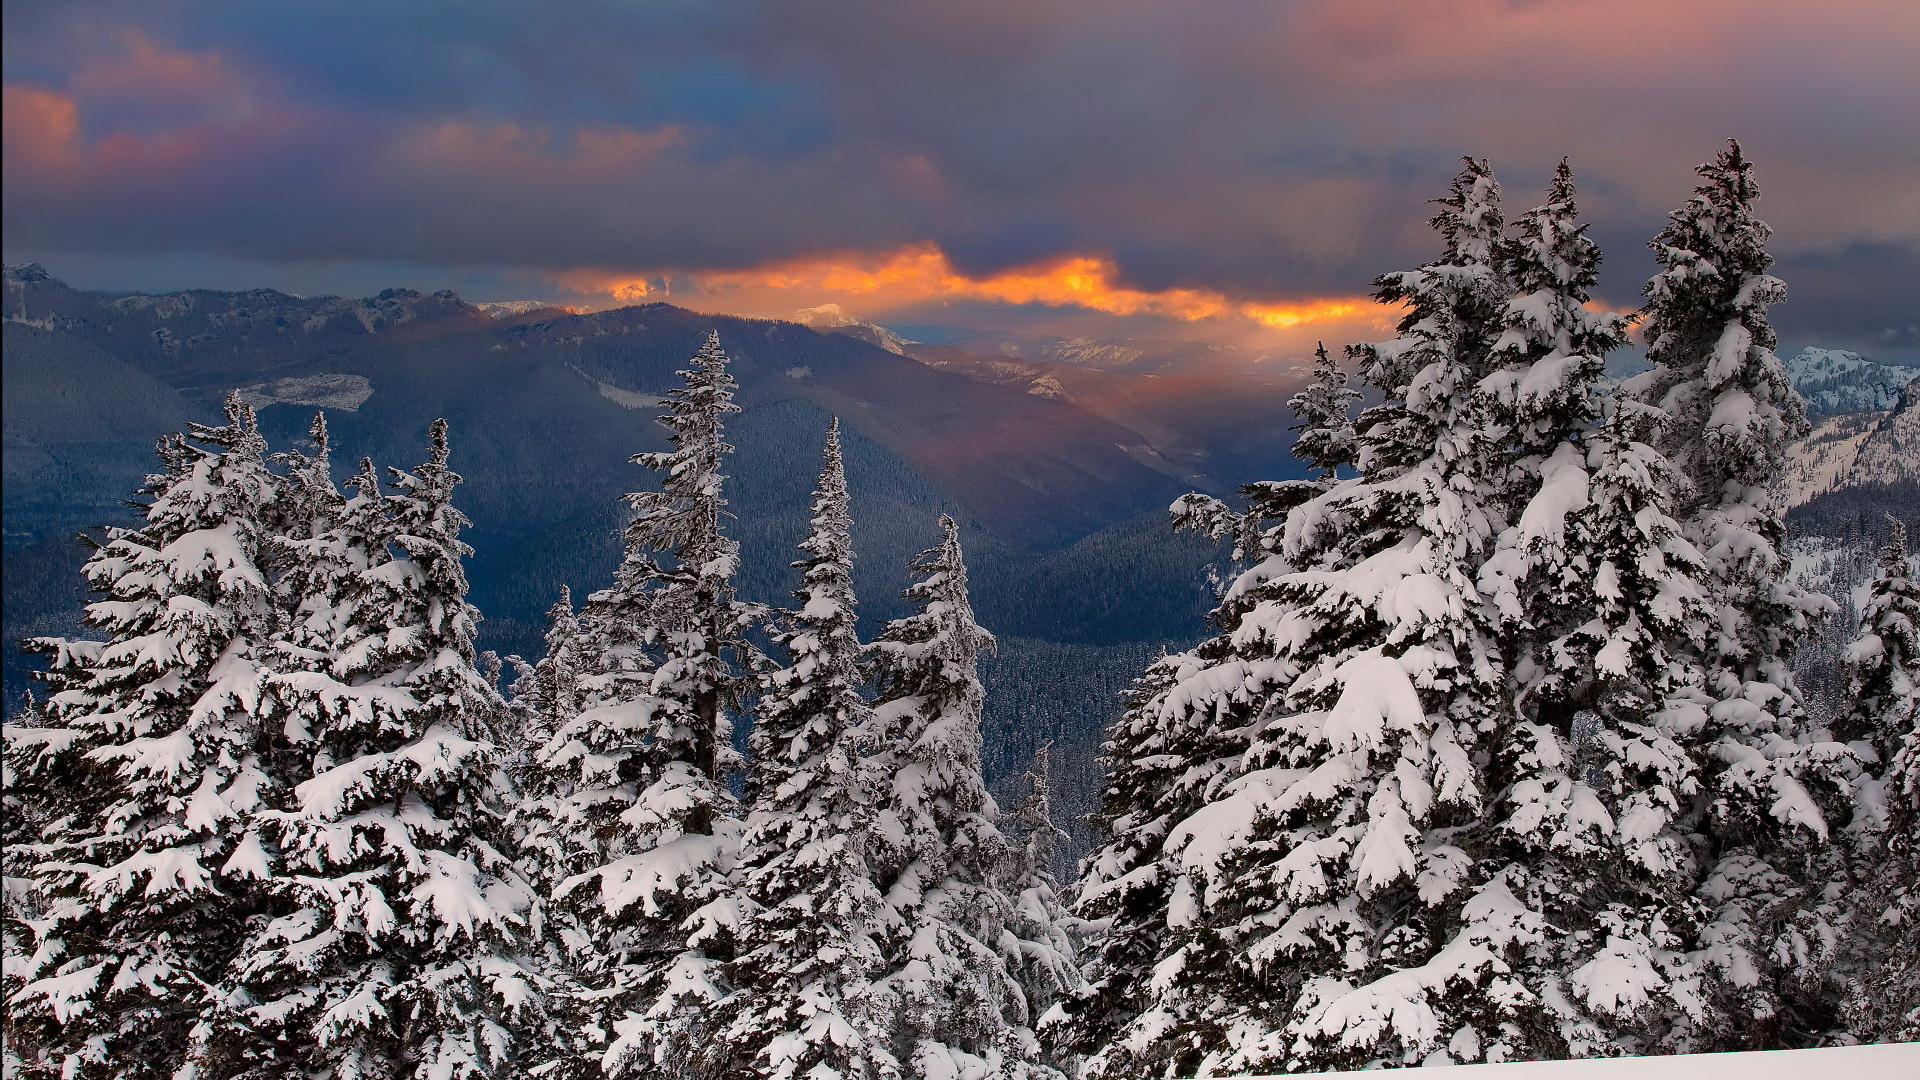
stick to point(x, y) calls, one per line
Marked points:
point(1328, 906)
point(1045, 937)
point(396, 947)
point(804, 1002)
point(1883, 968)
point(148, 751)
point(1188, 967)
point(630, 828)
point(1432, 796)
point(951, 955)
point(1551, 350)
point(1326, 442)
point(1773, 783)
point(1325, 410)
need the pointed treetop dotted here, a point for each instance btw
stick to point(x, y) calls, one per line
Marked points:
point(1323, 406)
point(831, 537)
point(1469, 216)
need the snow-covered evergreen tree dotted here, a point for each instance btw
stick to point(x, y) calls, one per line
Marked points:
point(1359, 887)
point(1328, 908)
point(1044, 949)
point(1772, 783)
point(1552, 349)
point(1884, 688)
point(1325, 411)
point(150, 742)
point(1124, 890)
point(633, 829)
point(942, 862)
point(400, 955)
point(1326, 443)
point(805, 1003)
point(1593, 579)
point(1180, 896)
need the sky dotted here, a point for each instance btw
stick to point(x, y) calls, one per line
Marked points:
point(1226, 171)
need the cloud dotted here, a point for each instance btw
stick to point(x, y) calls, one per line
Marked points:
point(1229, 154)
point(920, 275)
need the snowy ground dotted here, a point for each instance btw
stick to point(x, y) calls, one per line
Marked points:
point(1886, 1061)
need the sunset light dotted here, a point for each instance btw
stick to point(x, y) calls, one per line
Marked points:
point(922, 274)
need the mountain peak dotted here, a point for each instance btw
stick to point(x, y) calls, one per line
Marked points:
point(28, 274)
point(1835, 381)
point(832, 318)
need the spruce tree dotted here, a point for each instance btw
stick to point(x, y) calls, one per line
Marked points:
point(944, 864)
point(1884, 690)
point(1171, 985)
point(1043, 939)
point(150, 746)
point(1540, 396)
point(633, 829)
point(804, 1002)
point(1324, 409)
point(1593, 578)
point(1315, 909)
point(1772, 783)
point(1123, 894)
point(1325, 442)
point(400, 954)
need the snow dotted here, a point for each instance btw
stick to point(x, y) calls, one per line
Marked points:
point(1883, 1061)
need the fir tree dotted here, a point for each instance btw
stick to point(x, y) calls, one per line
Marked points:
point(400, 954)
point(1330, 902)
point(805, 1002)
point(944, 863)
point(1551, 351)
point(1044, 945)
point(1604, 769)
point(1123, 893)
point(149, 860)
point(634, 830)
point(1884, 689)
point(1326, 443)
point(1771, 782)
point(1177, 980)
point(1324, 409)
point(1594, 579)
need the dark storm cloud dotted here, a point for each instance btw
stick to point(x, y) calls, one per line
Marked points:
point(1255, 149)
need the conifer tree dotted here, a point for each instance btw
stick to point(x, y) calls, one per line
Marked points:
point(944, 865)
point(1552, 349)
point(1594, 579)
point(1044, 946)
point(150, 747)
point(400, 954)
point(1318, 910)
point(1884, 691)
point(805, 1003)
point(1123, 893)
point(1171, 986)
point(634, 829)
point(1326, 443)
point(1772, 783)
point(1325, 409)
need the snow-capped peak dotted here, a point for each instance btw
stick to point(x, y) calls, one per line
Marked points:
point(1836, 381)
point(507, 309)
point(832, 318)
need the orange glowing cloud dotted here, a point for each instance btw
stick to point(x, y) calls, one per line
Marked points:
point(40, 126)
point(921, 273)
